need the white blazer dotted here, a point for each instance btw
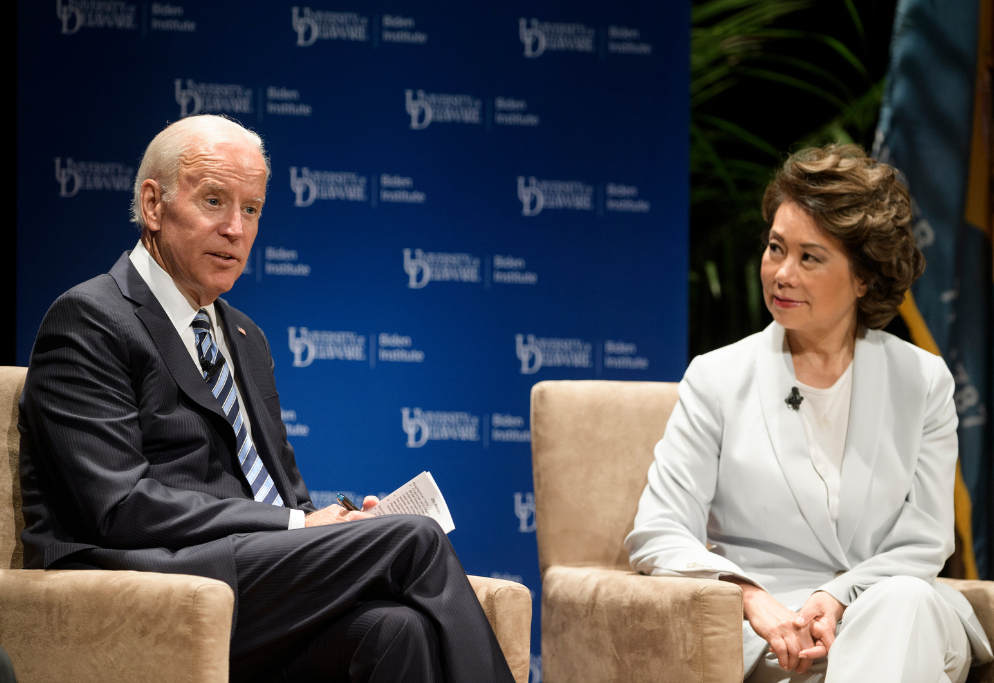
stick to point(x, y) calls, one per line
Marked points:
point(733, 470)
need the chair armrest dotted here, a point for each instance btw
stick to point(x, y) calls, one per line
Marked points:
point(610, 625)
point(83, 626)
point(980, 595)
point(508, 606)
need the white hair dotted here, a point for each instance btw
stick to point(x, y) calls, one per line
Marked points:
point(162, 156)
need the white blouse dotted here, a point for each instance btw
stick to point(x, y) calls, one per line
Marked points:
point(825, 414)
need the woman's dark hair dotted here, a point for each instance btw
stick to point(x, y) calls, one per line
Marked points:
point(863, 204)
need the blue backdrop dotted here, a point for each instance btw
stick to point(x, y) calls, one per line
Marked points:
point(465, 200)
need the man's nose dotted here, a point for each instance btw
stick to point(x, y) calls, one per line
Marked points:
point(233, 227)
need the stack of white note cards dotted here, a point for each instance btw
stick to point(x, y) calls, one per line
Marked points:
point(419, 496)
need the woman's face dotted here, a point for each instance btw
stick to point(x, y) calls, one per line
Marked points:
point(807, 282)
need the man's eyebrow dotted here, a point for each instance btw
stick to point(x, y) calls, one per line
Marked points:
point(212, 186)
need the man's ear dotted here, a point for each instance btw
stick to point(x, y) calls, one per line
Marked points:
point(151, 204)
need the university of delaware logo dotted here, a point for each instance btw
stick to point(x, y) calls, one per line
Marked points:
point(539, 37)
point(532, 37)
point(422, 426)
point(423, 267)
point(427, 108)
point(68, 178)
point(311, 25)
point(301, 347)
point(308, 186)
point(418, 109)
point(70, 16)
point(303, 186)
point(305, 26)
point(417, 269)
point(529, 354)
point(73, 176)
point(524, 508)
point(75, 14)
point(189, 100)
point(538, 195)
point(415, 426)
point(211, 98)
point(532, 199)
point(536, 353)
point(311, 345)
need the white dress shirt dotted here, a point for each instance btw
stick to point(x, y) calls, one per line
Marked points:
point(181, 310)
point(825, 413)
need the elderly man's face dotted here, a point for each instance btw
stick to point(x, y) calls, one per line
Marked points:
point(204, 234)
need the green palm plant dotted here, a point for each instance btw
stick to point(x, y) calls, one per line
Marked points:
point(750, 60)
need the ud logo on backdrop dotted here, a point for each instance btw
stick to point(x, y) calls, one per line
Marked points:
point(75, 14)
point(309, 185)
point(532, 37)
point(418, 109)
point(524, 508)
point(68, 178)
point(438, 425)
point(536, 353)
point(185, 97)
point(537, 194)
point(529, 354)
point(415, 426)
point(311, 345)
point(303, 187)
point(305, 26)
point(91, 175)
point(301, 347)
point(539, 36)
point(211, 98)
point(532, 199)
point(70, 16)
point(427, 108)
point(311, 25)
point(433, 266)
point(417, 269)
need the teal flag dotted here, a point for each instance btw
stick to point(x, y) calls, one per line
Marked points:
point(927, 130)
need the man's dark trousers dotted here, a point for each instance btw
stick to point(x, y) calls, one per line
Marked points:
point(383, 599)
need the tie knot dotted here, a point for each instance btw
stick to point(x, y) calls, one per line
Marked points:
point(201, 321)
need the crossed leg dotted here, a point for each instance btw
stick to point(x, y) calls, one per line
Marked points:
point(381, 599)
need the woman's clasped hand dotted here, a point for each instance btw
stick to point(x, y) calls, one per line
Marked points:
point(797, 638)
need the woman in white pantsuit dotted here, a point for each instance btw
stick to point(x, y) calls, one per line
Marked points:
point(816, 459)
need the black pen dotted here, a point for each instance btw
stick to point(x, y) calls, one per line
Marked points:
point(347, 504)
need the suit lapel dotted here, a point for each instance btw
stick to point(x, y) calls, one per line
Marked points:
point(865, 413)
point(776, 378)
point(262, 432)
point(164, 336)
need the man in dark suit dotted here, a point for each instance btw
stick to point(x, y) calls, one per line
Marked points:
point(153, 441)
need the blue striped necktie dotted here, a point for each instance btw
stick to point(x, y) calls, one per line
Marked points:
point(222, 383)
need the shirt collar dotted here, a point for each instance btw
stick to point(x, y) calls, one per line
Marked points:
point(177, 305)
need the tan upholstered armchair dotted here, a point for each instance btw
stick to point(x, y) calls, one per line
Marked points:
point(97, 626)
point(592, 443)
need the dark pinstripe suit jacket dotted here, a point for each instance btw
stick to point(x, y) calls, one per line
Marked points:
point(126, 454)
